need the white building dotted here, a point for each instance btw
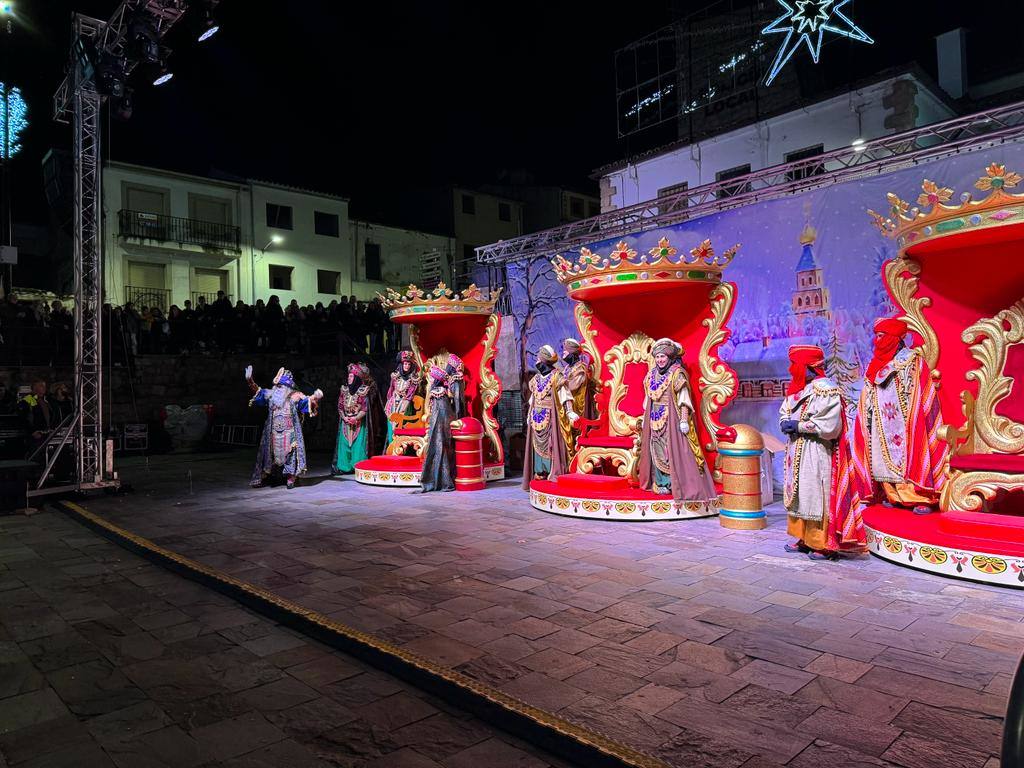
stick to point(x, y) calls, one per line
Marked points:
point(172, 237)
point(884, 107)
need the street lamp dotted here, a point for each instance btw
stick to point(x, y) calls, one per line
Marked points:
point(275, 239)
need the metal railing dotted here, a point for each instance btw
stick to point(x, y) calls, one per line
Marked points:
point(147, 297)
point(970, 133)
point(139, 225)
point(208, 296)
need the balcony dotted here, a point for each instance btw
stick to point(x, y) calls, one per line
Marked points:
point(138, 225)
point(140, 296)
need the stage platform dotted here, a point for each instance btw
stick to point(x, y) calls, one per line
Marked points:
point(967, 545)
point(607, 497)
point(404, 471)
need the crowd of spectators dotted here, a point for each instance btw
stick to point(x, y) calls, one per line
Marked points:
point(41, 333)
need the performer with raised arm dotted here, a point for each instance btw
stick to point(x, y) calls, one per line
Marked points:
point(896, 439)
point(438, 451)
point(357, 420)
point(282, 444)
point(576, 373)
point(819, 493)
point(547, 454)
point(456, 372)
point(671, 461)
point(406, 382)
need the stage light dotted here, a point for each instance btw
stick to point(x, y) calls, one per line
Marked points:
point(163, 77)
point(13, 120)
point(276, 239)
point(204, 25)
point(122, 107)
point(858, 145)
point(110, 76)
point(211, 30)
point(143, 39)
point(6, 9)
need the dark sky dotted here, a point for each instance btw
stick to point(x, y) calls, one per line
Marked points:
point(362, 98)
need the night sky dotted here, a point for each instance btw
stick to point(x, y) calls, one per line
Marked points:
point(362, 99)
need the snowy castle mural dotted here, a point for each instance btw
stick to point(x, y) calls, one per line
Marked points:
point(809, 271)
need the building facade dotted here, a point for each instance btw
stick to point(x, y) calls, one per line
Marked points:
point(171, 238)
point(886, 107)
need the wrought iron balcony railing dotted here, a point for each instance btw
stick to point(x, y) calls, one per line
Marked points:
point(139, 225)
point(139, 297)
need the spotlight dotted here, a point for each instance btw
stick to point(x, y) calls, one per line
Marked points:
point(204, 25)
point(110, 76)
point(857, 143)
point(143, 39)
point(123, 106)
point(163, 76)
point(6, 9)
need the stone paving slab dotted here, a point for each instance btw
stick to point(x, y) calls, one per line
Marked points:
point(109, 661)
point(686, 640)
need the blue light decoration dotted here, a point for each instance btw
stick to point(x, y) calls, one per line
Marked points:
point(13, 120)
point(808, 24)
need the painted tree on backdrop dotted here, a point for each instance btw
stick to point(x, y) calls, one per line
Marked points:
point(531, 284)
point(844, 371)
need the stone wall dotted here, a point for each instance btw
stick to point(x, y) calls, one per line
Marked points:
point(160, 380)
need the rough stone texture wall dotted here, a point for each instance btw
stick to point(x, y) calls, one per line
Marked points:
point(161, 380)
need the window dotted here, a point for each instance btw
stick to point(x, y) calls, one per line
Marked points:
point(469, 205)
point(733, 189)
point(280, 278)
point(212, 209)
point(372, 253)
point(576, 207)
point(504, 212)
point(673, 191)
point(279, 216)
point(325, 224)
point(328, 282)
point(593, 209)
point(811, 169)
point(146, 200)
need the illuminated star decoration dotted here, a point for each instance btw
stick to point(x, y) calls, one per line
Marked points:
point(13, 120)
point(807, 24)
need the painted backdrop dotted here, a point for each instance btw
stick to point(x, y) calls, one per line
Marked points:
point(809, 271)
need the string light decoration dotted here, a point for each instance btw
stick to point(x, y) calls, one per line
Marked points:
point(808, 24)
point(13, 120)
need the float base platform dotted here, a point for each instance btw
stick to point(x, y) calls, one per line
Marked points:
point(404, 471)
point(606, 497)
point(965, 545)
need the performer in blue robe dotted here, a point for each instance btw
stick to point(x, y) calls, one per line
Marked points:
point(281, 444)
point(439, 452)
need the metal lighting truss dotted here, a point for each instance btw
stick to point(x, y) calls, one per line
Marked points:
point(78, 99)
point(970, 133)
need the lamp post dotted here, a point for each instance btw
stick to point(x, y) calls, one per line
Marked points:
point(274, 240)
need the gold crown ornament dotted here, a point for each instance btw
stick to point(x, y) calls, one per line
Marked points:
point(932, 217)
point(415, 301)
point(662, 264)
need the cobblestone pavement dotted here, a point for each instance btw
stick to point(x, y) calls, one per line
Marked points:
point(107, 660)
point(701, 645)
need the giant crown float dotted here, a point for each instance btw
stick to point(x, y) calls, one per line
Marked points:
point(661, 264)
point(441, 300)
point(910, 226)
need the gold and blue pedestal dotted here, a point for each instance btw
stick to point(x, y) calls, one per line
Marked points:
point(739, 454)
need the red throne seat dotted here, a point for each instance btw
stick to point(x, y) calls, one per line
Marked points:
point(606, 441)
point(578, 481)
point(387, 463)
point(1010, 463)
point(411, 432)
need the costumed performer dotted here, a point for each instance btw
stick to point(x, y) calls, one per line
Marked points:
point(439, 450)
point(577, 375)
point(820, 482)
point(281, 444)
point(456, 371)
point(405, 386)
point(671, 461)
point(550, 402)
point(358, 420)
point(896, 441)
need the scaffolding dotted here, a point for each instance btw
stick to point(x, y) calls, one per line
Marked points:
point(78, 99)
point(970, 133)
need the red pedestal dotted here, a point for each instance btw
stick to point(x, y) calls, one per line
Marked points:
point(469, 456)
